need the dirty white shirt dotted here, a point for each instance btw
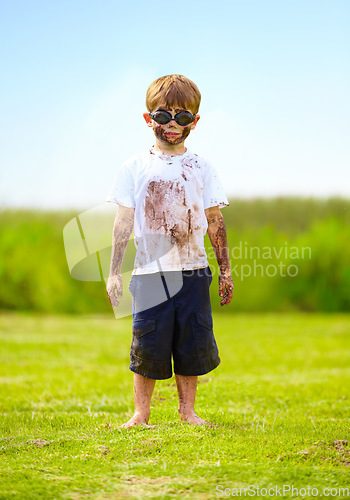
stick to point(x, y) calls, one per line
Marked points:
point(169, 194)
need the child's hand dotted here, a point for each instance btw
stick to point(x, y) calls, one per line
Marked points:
point(225, 287)
point(114, 289)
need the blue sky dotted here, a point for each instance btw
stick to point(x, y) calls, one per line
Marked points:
point(274, 77)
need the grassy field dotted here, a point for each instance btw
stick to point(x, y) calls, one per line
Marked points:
point(279, 399)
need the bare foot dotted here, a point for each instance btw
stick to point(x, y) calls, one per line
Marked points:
point(193, 419)
point(136, 420)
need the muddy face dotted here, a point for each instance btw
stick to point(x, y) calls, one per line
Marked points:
point(162, 134)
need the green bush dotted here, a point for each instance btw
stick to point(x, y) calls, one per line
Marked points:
point(264, 235)
point(323, 282)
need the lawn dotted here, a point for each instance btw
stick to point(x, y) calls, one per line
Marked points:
point(279, 399)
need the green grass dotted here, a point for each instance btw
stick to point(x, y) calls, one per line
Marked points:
point(280, 399)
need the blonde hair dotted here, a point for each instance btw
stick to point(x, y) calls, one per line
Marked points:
point(173, 91)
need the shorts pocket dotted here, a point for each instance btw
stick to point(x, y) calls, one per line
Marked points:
point(143, 326)
point(205, 319)
point(202, 325)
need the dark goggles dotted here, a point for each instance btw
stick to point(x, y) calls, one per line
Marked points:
point(163, 117)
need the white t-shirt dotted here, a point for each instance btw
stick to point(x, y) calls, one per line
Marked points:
point(169, 194)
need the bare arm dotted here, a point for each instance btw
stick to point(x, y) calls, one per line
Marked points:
point(217, 235)
point(123, 226)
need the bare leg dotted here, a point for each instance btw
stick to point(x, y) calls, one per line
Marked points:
point(143, 389)
point(186, 387)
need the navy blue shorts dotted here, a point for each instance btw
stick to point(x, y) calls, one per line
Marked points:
point(172, 318)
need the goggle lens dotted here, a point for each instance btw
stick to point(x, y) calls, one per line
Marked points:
point(163, 117)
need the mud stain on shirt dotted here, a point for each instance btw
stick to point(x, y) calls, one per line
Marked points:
point(167, 212)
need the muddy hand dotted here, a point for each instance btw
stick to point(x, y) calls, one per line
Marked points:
point(225, 288)
point(114, 289)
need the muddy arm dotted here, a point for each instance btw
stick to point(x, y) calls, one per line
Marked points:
point(123, 226)
point(217, 235)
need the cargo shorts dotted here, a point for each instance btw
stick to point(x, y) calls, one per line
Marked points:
point(177, 326)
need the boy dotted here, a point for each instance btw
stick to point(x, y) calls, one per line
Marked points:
point(171, 198)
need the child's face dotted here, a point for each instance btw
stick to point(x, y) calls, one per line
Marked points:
point(171, 133)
